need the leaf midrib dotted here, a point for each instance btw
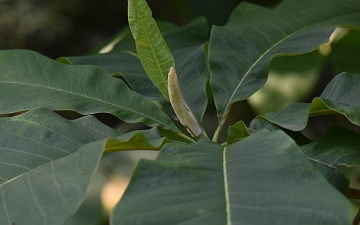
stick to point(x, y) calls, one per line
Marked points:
point(151, 46)
point(227, 200)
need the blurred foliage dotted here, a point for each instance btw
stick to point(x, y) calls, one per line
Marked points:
point(72, 27)
point(345, 53)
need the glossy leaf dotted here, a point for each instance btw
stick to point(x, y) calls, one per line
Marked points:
point(46, 165)
point(29, 80)
point(154, 54)
point(240, 52)
point(186, 44)
point(341, 96)
point(253, 181)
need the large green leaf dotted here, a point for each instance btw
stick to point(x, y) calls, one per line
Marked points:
point(29, 80)
point(45, 166)
point(341, 96)
point(254, 181)
point(151, 47)
point(186, 44)
point(240, 52)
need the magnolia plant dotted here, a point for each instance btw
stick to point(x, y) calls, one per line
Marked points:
point(266, 172)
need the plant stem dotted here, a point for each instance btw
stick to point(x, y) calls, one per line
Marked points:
point(219, 128)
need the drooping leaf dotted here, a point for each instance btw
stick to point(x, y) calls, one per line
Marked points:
point(240, 52)
point(29, 80)
point(45, 165)
point(253, 181)
point(341, 96)
point(186, 44)
point(154, 54)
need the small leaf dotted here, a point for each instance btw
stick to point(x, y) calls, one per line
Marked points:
point(237, 132)
point(137, 141)
point(154, 54)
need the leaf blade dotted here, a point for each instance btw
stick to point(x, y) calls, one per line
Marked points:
point(193, 189)
point(151, 47)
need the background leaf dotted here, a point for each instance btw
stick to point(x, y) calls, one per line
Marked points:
point(29, 80)
point(154, 54)
point(338, 146)
point(240, 52)
point(45, 167)
point(205, 183)
point(341, 96)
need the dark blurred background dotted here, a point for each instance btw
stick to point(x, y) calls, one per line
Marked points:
point(72, 27)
